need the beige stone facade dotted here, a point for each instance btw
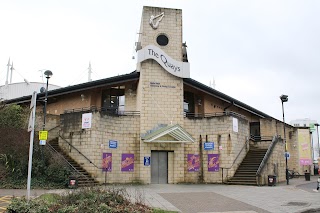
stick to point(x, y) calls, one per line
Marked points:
point(154, 120)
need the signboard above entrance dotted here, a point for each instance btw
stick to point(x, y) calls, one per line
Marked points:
point(177, 68)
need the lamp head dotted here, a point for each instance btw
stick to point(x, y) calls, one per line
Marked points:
point(284, 98)
point(48, 73)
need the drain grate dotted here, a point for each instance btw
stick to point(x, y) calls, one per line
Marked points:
point(297, 204)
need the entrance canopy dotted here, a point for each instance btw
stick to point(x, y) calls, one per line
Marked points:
point(169, 134)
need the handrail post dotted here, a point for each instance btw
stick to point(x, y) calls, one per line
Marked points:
point(222, 175)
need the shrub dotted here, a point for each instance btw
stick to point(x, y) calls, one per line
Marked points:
point(86, 200)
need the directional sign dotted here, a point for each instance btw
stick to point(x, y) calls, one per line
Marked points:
point(42, 142)
point(43, 135)
point(146, 161)
point(287, 155)
point(208, 145)
point(113, 144)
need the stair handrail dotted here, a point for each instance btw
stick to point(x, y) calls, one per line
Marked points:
point(267, 155)
point(244, 146)
point(259, 138)
point(66, 161)
point(53, 128)
point(78, 151)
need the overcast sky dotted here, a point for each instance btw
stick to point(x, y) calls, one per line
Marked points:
point(255, 50)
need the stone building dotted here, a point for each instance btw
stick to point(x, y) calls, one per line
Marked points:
point(157, 125)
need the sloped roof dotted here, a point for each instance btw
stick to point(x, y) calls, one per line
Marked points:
point(195, 84)
point(80, 87)
point(175, 132)
point(135, 76)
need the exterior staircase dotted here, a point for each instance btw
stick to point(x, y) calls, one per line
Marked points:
point(246, 172)
point(83, 177)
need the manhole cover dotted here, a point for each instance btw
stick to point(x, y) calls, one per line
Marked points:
point(297, 204)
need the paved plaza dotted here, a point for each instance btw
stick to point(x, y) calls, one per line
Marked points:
point(298, 196)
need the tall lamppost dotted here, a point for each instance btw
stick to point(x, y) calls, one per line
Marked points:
point(318, 139)
point(318, 149)
point(284, 98)
point(48, 75)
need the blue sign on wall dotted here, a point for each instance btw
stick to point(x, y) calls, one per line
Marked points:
point(208, 145)
point(113, 144)
point(146, 161)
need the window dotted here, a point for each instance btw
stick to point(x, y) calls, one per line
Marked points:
point(113, 100)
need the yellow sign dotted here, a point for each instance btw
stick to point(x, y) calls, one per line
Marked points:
point(43, 135)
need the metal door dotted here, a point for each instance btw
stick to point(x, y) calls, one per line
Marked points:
point(159, 167)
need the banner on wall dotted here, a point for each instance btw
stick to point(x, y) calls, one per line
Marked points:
point(235, 124)
point(304, 148)
point(127, 163)
point(193, 162)
point(213, 162)
point(107, 162)
point(86, 120)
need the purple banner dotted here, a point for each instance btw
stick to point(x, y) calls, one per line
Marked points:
point(127, 162)
point(193, 162)
point(107, 162)
point(213, 162)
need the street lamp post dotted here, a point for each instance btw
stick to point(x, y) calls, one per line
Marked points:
point(318, 139)
point(284, 98)
point(48, 74)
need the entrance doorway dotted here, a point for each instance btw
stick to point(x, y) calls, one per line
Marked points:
point(159, 167)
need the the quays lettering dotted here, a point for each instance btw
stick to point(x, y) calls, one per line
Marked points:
point(164, 60)
point(177, 68)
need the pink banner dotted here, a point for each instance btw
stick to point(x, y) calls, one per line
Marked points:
point(127, 162)
point(193, 162)
point(213, 162)
point(305, 162)
point(107, 162)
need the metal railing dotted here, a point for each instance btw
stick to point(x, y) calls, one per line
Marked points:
point(215, 114)
point(78, 151)
point(259, 138)
point(53, 150)
point(104, 110)
point(266, 157)
point(245, 146)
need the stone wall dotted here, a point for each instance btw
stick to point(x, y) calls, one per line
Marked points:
point(275, 164)
point(232, 144)
point(52, 125)
point(93, 142)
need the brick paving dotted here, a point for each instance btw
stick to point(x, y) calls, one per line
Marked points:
point(207, 202)
point(296, 197)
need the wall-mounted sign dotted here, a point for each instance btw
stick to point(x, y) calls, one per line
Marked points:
point(43, 135)
point(157, 84)
point(127, 163)
point(312, 127)
point(235, 124)
point(86, 120)
point(42, 142)
point(213, 162)
point(287, 155)
point(146, 161)
point(113, 144)
point(208, 145)
point(177, 68)
point(107, 162)
point(193, 163)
